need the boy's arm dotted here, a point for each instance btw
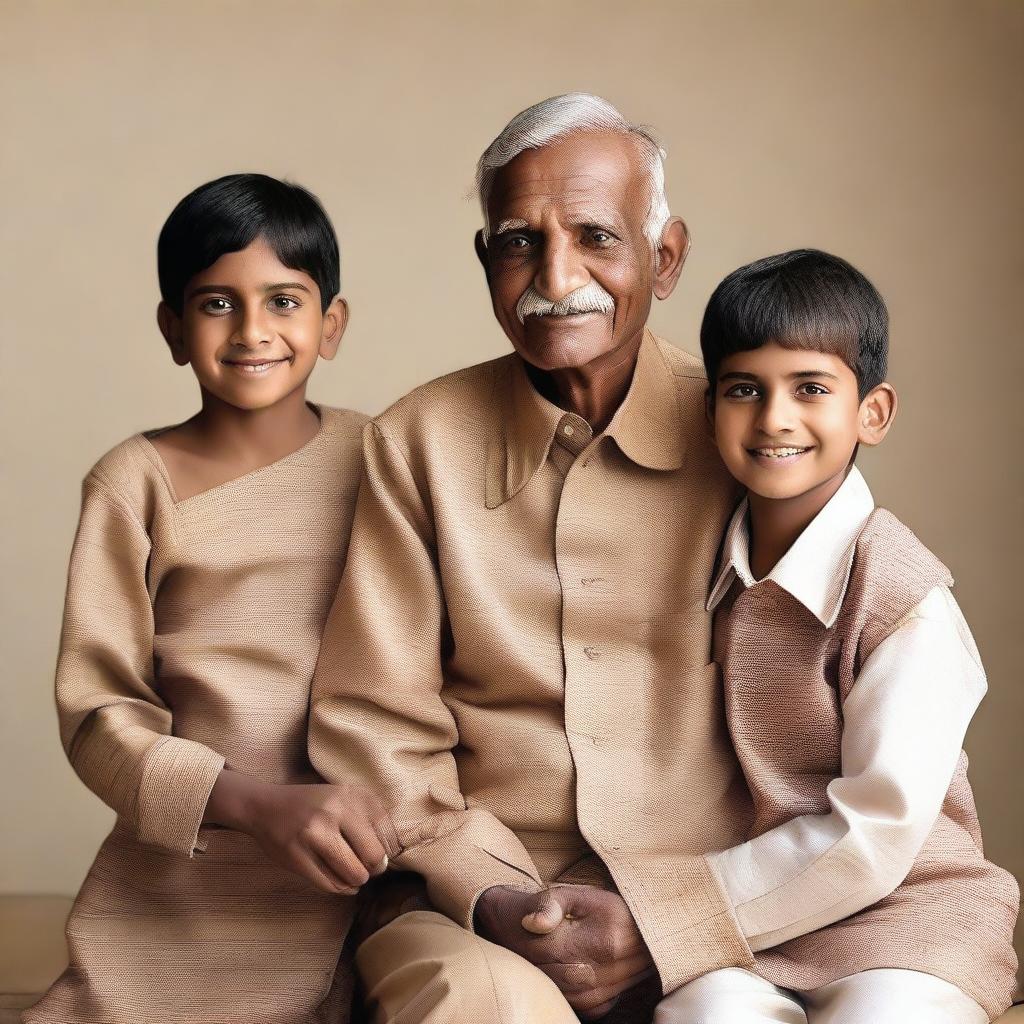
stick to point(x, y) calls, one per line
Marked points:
point(113, 725)
point(904, 722)
point(377, 716)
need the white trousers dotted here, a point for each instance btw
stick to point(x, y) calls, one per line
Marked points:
point(735, 996)
point(424, 969)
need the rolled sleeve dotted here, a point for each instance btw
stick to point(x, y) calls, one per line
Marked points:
point(115, 728)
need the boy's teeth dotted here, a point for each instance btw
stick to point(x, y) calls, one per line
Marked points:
point(778, 453)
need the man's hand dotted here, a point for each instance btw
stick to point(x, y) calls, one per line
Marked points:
point(582, 937)
point(326, 833)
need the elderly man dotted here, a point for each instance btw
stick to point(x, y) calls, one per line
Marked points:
point(520, 637)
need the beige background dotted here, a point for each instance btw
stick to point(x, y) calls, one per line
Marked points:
point(889, 133)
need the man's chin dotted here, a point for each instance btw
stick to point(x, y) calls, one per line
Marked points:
point(565, 342)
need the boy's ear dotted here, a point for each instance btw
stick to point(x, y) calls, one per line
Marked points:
point(481, 254)
point(170, 327)
point(709, 412)
point(672, 253)
point(876, 413)
point(335, 322)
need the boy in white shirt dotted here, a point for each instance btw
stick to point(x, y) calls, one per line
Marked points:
point(849, 680)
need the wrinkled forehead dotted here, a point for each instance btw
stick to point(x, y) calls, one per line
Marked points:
point(592, 178)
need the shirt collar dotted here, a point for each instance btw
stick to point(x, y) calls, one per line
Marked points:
point(647, 426)
point(816, 569)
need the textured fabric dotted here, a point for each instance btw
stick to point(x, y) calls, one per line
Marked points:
point(423, 968)
point(903, 725)
point(190, 634)
point(734, 996)
point(787, 678)
point(816, 568)
point(521, 627)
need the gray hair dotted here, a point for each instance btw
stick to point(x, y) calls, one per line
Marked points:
point(571, 114)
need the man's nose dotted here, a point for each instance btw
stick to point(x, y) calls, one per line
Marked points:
point(561, 270)
point(776, 414)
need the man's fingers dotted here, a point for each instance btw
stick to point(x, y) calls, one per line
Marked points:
point(630, 967)
point(571, 977)
point(596, 998)
point(546, 917)
point(580, 977)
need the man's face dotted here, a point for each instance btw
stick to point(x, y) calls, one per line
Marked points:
point(568, 220)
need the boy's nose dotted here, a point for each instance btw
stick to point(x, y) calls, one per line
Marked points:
point(252, 331)
point(776, 415)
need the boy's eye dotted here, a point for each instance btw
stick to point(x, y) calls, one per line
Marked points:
point(810, 388)
point(284, 302)
point(216, 305)
point(742, 391)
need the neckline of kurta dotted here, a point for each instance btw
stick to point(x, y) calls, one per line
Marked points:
point(152, 453)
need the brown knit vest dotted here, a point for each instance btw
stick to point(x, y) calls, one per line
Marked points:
point(785, 678)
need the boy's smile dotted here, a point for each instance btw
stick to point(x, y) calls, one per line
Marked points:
point(252, 328)
point(787, 421)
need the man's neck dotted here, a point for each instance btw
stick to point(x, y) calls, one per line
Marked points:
point(595, 391)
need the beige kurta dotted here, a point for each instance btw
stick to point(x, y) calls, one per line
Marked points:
point(521, 626)
point(191, 630)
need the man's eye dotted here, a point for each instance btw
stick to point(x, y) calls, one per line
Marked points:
point(742, 391)
point(216, 306)
point(284, 302)
point(602, 237)
point(518, 242)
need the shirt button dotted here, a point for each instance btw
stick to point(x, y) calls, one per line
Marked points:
point(567, 430)
point(592, 653)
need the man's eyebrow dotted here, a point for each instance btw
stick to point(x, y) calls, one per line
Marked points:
point(595, 218)
point(510, 224)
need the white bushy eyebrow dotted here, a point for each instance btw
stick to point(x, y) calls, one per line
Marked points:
point(511, 224)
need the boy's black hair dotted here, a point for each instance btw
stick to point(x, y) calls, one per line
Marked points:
point(804, 299)
point(228, 214)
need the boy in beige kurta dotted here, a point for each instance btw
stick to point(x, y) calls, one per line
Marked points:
point(849, 674)
point(197, 593)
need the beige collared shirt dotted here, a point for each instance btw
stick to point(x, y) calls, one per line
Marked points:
point(521, 636)
point(903, 729)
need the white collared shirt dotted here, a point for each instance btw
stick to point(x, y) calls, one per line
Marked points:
point(904, 722)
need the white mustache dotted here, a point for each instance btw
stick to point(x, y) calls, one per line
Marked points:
point(591, 298)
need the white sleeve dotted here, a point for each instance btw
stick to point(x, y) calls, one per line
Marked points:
point(903, 727)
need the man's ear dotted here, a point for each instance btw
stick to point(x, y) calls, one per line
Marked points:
point(481, 254)
point(876, 413)
point(335, 322)
point(170, 327)
point(675, 245)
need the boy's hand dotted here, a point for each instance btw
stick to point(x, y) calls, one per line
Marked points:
point(326, 833)
point(582, 937)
